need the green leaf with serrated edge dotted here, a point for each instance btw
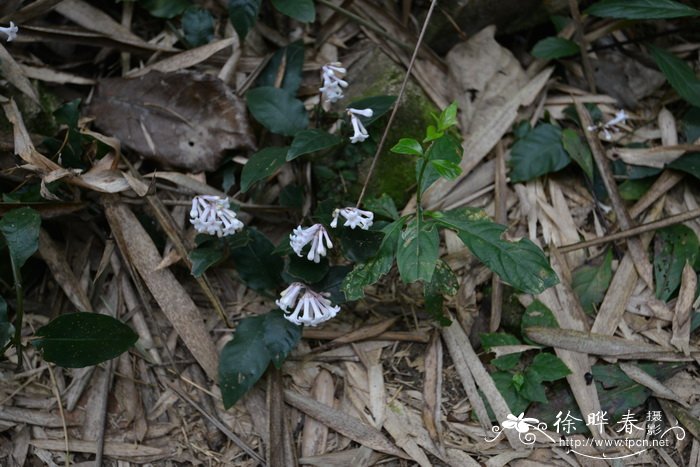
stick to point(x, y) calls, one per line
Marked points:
point(446, 169)
point(300, 10)
point(550, 48)
point(521, 264)
point(243, 14)
point(6, 327)
point(257, 341)
point(590, 282)
point(20, 227)
point(303, 270)
point(578, 151)
point(641, 9)
point(77, 340)
point(448, 117)
point(417, 252)
point(540, 152)
point(359, 245)
point(679, 74)
point(165, 8)
point(308, 141)
point(371, 271)
point(382, 206)
point(549, 367)
point(688, 163)
point(408, 146)
point(532, 389)
point(332, 283)
point(491, 340)
point(673, 246)
point(293, 57)
point(536, 315)
point(197, 26)
point(256, 264)
point(261, 165)
point(379, 105)
point(445, 148)
point(277, 110)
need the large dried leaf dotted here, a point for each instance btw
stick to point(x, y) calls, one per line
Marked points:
point(181, 119)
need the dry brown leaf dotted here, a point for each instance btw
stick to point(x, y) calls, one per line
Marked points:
point(94, 19)
point(184, 59)
point(124, 451)
point(53, 76)
point(657, 387)
point(656, 157)
point(432, 389)
point(12, 72)
point(184, 119)
point(315, 434)
point(684, 307)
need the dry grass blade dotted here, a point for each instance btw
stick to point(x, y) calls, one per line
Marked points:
point(432, 389)
point(138, 248)
point(361, 334)
point(185, 59)
point(684, 307)
point(12, 72)
point(279, 452)
point(93, 19)
point(125, 451)
point(645, 379)
point(315, 434)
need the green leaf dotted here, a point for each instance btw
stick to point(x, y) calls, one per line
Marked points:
point(303, 270)
point(590, 282)
point(258, 267)
point(371, 271)
point(549, 367)
point(491, 340)
point(243, 14)
point(261, 165)
point(446, 169)
point(290, 60)
point(679, 75)
point(445, 148)
point(521, 264)
point(6, 327)
point(197, 26)
point(444, 282)
point(20, 227)
point(418, 250)
point(448, 117)
point(333, 283)
point(506, 386)
point(204, 258)
point(688, 163)
point(641, 9)
point(379, 105)
point(383, 206)
point(673, 246)
point(408, 146)
point(555, 47)
point(432, 133)
point(632, 190)
point(532, 389)
point(257, 341)
point(277, 110)
point(308, 141)
point(77, 340)
point(301, 10)
point(538, 153)
point(165, 8)
point(578, 151)
point(690, 124)
point(537, 315)
point(360, 245)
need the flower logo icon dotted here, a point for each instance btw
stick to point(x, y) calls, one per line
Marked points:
point(519, 423)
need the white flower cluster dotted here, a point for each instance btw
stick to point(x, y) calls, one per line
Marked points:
point(332, 89)
point(354, 217)
point(611, 125)
point(316, 235)
point(360, 131)
point(213, 215)
point(312, 308)
point(10, 32)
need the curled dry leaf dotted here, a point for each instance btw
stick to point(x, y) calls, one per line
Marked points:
point(184, 119)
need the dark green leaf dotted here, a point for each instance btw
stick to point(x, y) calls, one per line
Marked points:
point(383, 206)
point(290, 60)
point(446, 169)
point(549, 367)
point(632, 190)
point(691, 125)
point(434, 302)
point(292, 196)
point(77, 340)
point(277, 110)
point(673, 246)
point(408, 146)
point(540, 152)
point(521, 264)
point(537, 315)
point(303, 270)
point(6, 328)
point(261, 165)
point(688, 163)
point(445, 148)
point(506, 362)
point(448, 117)
point(444, 282)
point(243, 14)
point(641, 9)
point(590, 282)
point(302, 10)
point(308, 141)
point(20, 227)
point(679, 75)
point(165, 8)
point(258, 267)
point(280, 337)
point(555, 47)
point(360, 245)
point(532, 389)
point(506, 386)
point(197, 26)
point(578, 151)
point(204, 258)
point(333, 283)
point(417, 253)
point(379, 105)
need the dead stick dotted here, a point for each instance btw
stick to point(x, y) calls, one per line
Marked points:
point(501, 217)
point(583, 44)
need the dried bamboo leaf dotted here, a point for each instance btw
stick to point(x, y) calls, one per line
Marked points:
point(124, 451)
point(684, 307)
point(185, 59)
point(645, 379)
point(432, 389)
point(12, 72)
point(315, 434)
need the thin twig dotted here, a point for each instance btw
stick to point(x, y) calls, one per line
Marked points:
point(583, 44)
point(660, 224)
point(54, 387)
point(501, 217)
point(398, 100)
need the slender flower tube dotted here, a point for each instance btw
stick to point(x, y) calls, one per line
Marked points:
point(611, 125)
point(360, 132)
point(332, 89)
point(316, 235)
point(312, 308)
point(10, 32)
point(354, 217)
point(212, 215)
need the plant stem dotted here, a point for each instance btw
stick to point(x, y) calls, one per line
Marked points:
point(398, 102)
point(419, 191)
point(19, 311)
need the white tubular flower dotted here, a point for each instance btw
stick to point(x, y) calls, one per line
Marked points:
point(353, 217)
point(10, 32)
point(359, 129)
point(316, 235)
point(332, 89)
point(611, 125)
point(212, 215)
point(311, 309)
